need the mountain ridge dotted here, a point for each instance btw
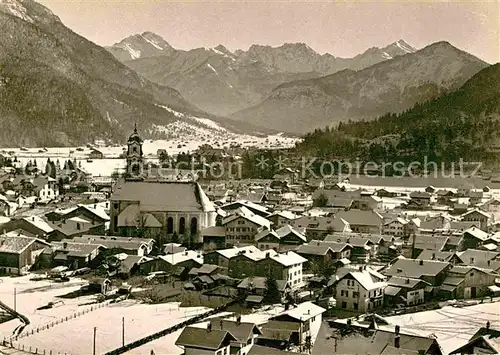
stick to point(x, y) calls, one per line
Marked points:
point(389, 86)
point(222, 82)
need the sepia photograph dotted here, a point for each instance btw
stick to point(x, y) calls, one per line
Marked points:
point(249, 177)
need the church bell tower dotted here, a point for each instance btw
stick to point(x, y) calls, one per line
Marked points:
point(135, 164)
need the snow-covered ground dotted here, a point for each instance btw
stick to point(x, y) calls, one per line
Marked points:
point(453, 327)
point(166, 345)
point(75, 335)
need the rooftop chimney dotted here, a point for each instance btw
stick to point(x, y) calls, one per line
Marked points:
point(65, 245)
point(397, 329)
point(488, 325)
point(238, 320)
point(221, 323)
point(421, 262)
point(209, 327)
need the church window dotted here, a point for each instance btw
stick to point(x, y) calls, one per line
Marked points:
point(182, 225)
point(170, 225)
point(194, 226)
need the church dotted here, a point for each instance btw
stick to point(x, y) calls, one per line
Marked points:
point(157, 208)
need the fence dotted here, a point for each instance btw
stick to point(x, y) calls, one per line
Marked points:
point(162, 333)
point(59, 321)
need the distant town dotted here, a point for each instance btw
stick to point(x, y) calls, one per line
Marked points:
point(135, 255)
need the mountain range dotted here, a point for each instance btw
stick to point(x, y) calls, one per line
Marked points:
point(463, 124)
point(223, 82)
point(57, 88)
point(393, 85)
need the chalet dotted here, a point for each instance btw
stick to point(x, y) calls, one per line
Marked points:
point(207, 341)
point(320, 227)
point(96, 154)
point(284, 238)
point(362, 248)
point(45, 188)
point(74, 227)
point(243, 225)
point(276, 337)
point(130, 246)
point(473, 238)
point(485, 341)
point(214, 238)
point(173, 263)
point(434, 272)
point(362, 221)
point(477, 257)
point(480, 216)
point(357, 340)
point(73, 255)
point(18, 253)
point(407, 291)
point(282, 218)
point(253, 207)
point(307, 315)
point(491, 206)
point(324, 253)
point(33, 225)
point(244, 332)
point(223, 257)
point(360, 290)
point(468, 282)
point(397, 227)
point(421, 198)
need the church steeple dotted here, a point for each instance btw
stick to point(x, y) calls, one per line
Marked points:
point(135, 154)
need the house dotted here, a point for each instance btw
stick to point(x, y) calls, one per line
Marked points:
point(276, 337)
point(479, 258)
point(45, 188)
point(196, 341)
point(73, 255)
point(360, 290)
point(93, 212)
point(130, 246)
point(253, 207)
point(473, 238)
point(426, 254)
point(307, 315)
point(477, 215)
point(257, 286)
point(243, 225)
point(362, 221)
point(18, 253)
point(468, 282)
point(421, 198)
point(223, 257)
point(405, 290)
point(320, 227)
point(173, 263)
point(284, 238)
point(397, 227)
point(432, 271)
point(74, 227)
point(96, 154)
point(214, 238)
point(244, 332)
point(165, 207)
point(34, 225)
point(282, 218)
point(485, 341)
point(362, 248)
point(491, 206)
point(357, 340)
point(322, 254)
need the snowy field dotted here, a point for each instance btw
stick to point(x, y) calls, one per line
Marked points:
point(75, 335)
point(453, 327)
point(112, 162)
point(166, 345)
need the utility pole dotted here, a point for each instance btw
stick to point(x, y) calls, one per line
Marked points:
point(123, 331)
point(15, 300)
point(93, 347)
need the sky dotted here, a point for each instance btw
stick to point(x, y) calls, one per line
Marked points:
point(343, 29)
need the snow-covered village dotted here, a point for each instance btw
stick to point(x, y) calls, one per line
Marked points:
point(249, 177)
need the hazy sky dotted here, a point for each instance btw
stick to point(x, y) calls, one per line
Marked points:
point(340, 28)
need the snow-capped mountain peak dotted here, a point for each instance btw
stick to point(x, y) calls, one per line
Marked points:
point(143, 45)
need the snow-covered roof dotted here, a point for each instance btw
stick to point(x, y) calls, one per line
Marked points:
point(304, 311)
point(39, 223)
point(288, 258)
point(248, 215)
point(178, 258)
